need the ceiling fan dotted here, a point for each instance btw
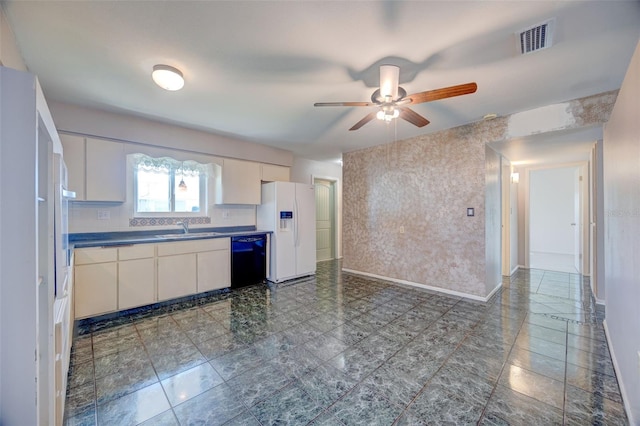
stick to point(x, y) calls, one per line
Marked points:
point(392, 100)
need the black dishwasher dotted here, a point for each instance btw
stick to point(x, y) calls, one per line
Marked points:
point(248, 260)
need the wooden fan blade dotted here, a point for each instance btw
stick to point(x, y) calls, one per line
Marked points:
point(413, 117)
point(367, 118)
point(445, 92)
point(320, 104)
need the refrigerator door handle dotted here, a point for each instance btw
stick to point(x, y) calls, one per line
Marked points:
point(296, 236)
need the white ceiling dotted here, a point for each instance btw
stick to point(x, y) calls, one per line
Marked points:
point(253, 69)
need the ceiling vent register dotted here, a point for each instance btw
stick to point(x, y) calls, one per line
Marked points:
point(537, 37)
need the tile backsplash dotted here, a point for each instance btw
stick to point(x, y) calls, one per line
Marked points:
point(108, 217)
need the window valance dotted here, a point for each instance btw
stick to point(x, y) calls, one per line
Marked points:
point(168, 164)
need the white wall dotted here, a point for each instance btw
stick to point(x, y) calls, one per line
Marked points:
point(10, 55)
point(622, 231)
point(111, 125)
point(599, 239)
point(304, 171)
point(551, 207)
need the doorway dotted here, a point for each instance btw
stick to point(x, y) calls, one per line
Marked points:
point(555, 219)
point(325, 219)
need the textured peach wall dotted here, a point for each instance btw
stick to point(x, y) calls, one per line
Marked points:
point(426, 184)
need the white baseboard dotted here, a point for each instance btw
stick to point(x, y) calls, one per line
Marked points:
point(427, 287)
point(623, 392)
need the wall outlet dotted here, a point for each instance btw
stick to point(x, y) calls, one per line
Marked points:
point(402, 229)
point(225, 214)
point(104, 215)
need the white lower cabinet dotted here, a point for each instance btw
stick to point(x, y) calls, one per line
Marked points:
point(136, 276)
point(96, 289)
point(189, 267)
point(109, 279)
point(176, 276)
point(136, 283)
point(213, 270)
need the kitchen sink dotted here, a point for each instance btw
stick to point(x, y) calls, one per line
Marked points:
point(187, 236)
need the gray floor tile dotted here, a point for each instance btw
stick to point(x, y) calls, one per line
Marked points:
point(235, 363)
point(340, 349)
point(213, 407)
point(163, 419)
point(394, 385)
point(436, 405)
point(534, 385)
point(244, 419)
point(325, 385)
point(586, 408)
point(134, 408)
point(598, 384)
point(289, 406)
point(507, 407)
point(537, 363)
point(365, 406)
point(259, 383)
point(190, 383)
point(124, 381)
point(325, 347)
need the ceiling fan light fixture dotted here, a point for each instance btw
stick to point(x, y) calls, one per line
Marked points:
point(387, 114)
point(389, 78)
point(167, 77)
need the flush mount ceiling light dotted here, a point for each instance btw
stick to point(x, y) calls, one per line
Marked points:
point(167, 77)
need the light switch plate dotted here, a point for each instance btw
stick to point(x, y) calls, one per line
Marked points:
point(470, 211)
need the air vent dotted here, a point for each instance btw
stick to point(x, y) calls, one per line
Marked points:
point(536, 38)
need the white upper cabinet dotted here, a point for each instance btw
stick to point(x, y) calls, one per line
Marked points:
point(273, 173)
point(238, 182)
point(106, 172)
point(73, 154)
point(97, 168)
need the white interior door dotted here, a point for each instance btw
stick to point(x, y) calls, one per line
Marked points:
point(552, 213)
point(324, 220)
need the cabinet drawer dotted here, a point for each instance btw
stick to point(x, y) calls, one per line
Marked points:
point(183, 247)
point(95, 255)
point(136, 251)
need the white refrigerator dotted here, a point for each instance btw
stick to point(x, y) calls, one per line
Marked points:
point(288, 210)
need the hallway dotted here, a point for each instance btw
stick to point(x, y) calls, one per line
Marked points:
point(342, 349)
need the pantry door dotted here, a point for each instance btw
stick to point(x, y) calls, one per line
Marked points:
point(325, 219)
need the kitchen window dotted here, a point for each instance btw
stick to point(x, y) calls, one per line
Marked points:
point(166, 186)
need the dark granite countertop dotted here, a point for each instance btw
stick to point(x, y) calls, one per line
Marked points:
point(105, 239)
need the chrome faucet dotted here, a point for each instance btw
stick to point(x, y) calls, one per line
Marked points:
point(185, 226)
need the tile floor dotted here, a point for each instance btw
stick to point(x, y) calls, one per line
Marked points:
point(340, 349)
point(552, 262)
